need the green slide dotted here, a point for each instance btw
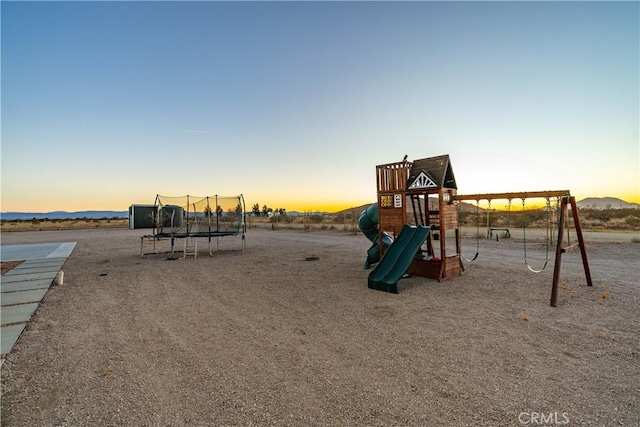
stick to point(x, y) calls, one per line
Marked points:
point(397, 259)
point(368, 223)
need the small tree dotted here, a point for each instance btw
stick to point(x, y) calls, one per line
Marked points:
point(274, 218)
point(256, 209)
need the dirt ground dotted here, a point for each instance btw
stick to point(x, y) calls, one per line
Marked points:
point(266, 337)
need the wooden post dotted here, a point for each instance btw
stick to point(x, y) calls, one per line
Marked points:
point(558, 260)
point(442, 223)
point(560, 250)
point(583, 251)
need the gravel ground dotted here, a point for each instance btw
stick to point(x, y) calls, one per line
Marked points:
point(266, 337)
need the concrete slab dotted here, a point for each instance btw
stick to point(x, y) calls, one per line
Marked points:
point(17, 313)
point(21, 297)
point(36, 251)
point(13, 278)
point(25, 286)
point(10, 335)
point(63, 251)
point(46, 262)
point(32, 270)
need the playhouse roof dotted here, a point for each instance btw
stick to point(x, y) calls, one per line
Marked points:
point(432, 172)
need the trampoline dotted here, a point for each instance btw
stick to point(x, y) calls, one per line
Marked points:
point(190, 218)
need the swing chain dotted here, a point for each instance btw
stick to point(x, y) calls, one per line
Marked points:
point(477, 235)
point(547, 237)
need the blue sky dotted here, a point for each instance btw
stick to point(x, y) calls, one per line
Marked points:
point(106, 104)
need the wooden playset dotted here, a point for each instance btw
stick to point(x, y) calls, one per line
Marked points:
point(406, 195)
point(422, 195)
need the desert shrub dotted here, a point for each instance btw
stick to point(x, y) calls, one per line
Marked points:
point(632, 221)
point(346, 218)
point(602, 215)
point(616, 225)
point(624, 213)
point(316, 218)
point(287, 219)
point(607, 214)
point(522, 221)
point(463, 217)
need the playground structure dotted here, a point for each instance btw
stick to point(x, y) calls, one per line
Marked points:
point(407, 218)
point(191, 218)
point(416, 217)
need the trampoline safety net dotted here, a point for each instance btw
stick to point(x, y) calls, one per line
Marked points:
point(192, 214)
point(189, 217)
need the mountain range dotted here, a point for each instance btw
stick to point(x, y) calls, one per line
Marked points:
point(606, 203)
point(588, 203)
point(63, 215)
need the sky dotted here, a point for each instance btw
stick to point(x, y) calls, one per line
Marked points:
point(293, 104)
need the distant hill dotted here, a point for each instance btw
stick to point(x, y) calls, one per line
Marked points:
point(588, 203)
point(358, 209)
point(63, 215)
point(297, 213)
point(433, 205)
point(606, 203)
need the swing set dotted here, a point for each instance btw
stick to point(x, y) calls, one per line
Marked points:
point(564, 200)
point(423, 195)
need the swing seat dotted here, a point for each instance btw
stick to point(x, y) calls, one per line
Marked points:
point(507, 234)
point(570, 248)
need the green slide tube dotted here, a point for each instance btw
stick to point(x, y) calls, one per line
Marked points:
point(368, 224)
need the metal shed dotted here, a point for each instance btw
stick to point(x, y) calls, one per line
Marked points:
point(141, 216)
